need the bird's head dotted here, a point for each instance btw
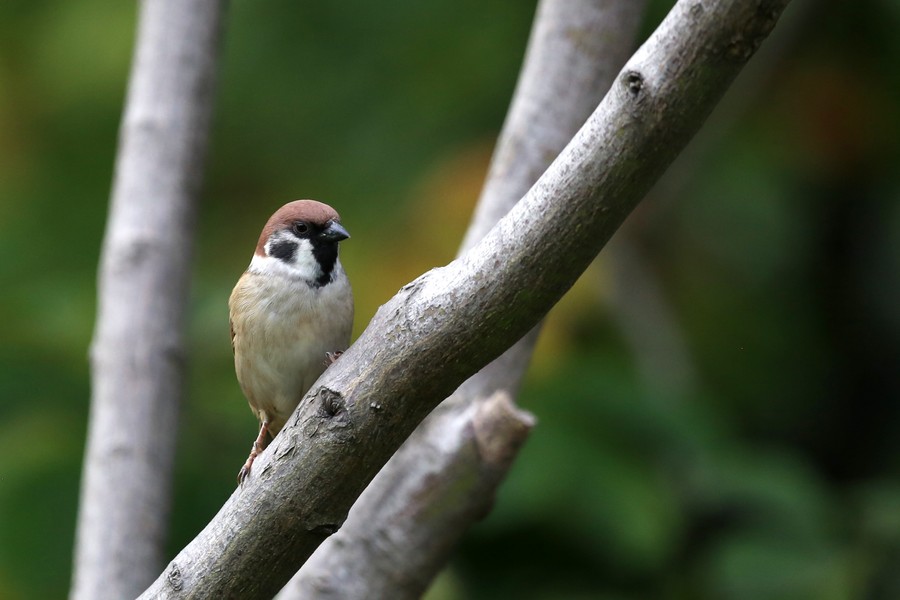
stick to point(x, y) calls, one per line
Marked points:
point(300, 241)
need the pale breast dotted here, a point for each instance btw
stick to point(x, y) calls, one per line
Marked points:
point(283, 329)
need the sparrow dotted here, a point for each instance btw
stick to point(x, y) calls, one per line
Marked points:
point(291, 313)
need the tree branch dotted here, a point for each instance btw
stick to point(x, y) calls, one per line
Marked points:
point(137, 351)
point(462, 454)
point(444, 326)
point(407, 522)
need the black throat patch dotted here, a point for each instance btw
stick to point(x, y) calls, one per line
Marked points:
point(325, 254)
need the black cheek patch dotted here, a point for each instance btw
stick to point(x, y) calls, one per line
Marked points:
point(283, 250)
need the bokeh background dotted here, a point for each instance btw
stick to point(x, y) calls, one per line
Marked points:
point(718, 397)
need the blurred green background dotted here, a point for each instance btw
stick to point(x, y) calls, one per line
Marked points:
point(718, 397)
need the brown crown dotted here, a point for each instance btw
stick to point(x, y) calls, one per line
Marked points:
point(310, 211)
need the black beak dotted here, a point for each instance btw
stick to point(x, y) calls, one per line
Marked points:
point(335, 232)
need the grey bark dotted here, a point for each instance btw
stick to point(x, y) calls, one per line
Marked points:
point(460, 455)
point(407, 522)
point(137, 353)
point(446, 325)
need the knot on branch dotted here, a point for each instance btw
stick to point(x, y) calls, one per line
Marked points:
point(634, 83)
point(174, 577)
point(331, 403)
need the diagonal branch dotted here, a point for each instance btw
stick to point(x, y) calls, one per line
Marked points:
point(444, 326)
point(407, 522)
point(137, 351)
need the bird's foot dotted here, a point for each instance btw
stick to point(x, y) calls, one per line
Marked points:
point(259, 444)
point(245, 470)
point(331, 357)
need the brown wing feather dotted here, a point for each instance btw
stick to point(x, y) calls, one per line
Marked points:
point(231, 326)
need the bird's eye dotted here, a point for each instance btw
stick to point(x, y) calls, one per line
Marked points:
point(300, 227)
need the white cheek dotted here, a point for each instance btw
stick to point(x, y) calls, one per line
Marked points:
point(302, 266)
point(305, 263)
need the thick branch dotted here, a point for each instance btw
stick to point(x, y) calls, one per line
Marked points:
point(444, 326)
point(488, 434)
point(137, 351)
point(407, 522)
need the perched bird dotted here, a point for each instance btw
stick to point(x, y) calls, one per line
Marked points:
point(291, 312)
